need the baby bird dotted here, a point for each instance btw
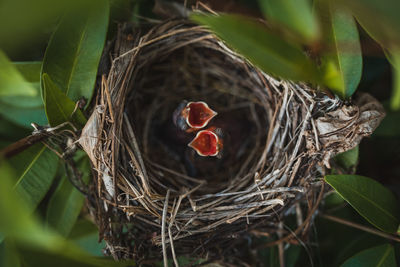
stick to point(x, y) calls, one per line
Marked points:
point(192, 116)
point(208, 142)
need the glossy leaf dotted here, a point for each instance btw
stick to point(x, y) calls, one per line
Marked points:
point(342, 61)
point(372, 200)
point(12, 83)
point(266, 50)
point(66, 203)
point(35, 168)
point(296, 15)
point(395, 99)
point(59, 108)
point(380, 256)
point(75, 48)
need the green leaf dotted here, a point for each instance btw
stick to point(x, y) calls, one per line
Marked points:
point(15, 216)
point(342, 62)
point(385, 25)
point(23, 116)
point(372, 200)
point(266, 50)
point(395, 99)
point(25, 109)
point(36, 245)
point(31, 72)
point(380, 256)
point(59, 108)
point(348, 159)
point(12, 83)
point(75, 48)
point(296, 15)
point(66, 203)
point(35, 168)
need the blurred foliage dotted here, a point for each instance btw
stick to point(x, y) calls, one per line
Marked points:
point(267, 50)
point(49, 56)
point(295, 15)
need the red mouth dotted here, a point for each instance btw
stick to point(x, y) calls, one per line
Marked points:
point(206, 143)
point(199, 114)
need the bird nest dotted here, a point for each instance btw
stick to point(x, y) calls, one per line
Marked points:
point(152, 195)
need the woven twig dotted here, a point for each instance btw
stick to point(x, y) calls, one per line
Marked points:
point(147, 201)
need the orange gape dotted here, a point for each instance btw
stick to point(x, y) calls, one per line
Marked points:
point(192, 116)
point(207, 142)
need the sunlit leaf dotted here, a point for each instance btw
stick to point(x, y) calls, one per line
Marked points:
point(66, 202)
point(380, 256)
point(342, 60)
point(35, 168)
point(59, 108)
point(372, 200)
point(296, 15)
point(74, 51)
point(266, 50)
point(12, 83)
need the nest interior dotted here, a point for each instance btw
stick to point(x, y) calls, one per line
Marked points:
point(153, 194)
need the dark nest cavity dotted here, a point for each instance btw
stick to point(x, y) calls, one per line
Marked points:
point(154, 196)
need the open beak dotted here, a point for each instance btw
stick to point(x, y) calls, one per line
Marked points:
point(207, 143)
point(199, 114)
point(191, 116)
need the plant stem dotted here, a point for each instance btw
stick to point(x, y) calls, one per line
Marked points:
point(361, 227)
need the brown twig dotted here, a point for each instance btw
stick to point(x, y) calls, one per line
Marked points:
point(361, 227)
point(21, 145)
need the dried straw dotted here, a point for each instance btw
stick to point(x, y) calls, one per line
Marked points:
point(147, 202)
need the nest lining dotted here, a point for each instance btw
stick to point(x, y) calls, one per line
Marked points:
point(148, 199)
